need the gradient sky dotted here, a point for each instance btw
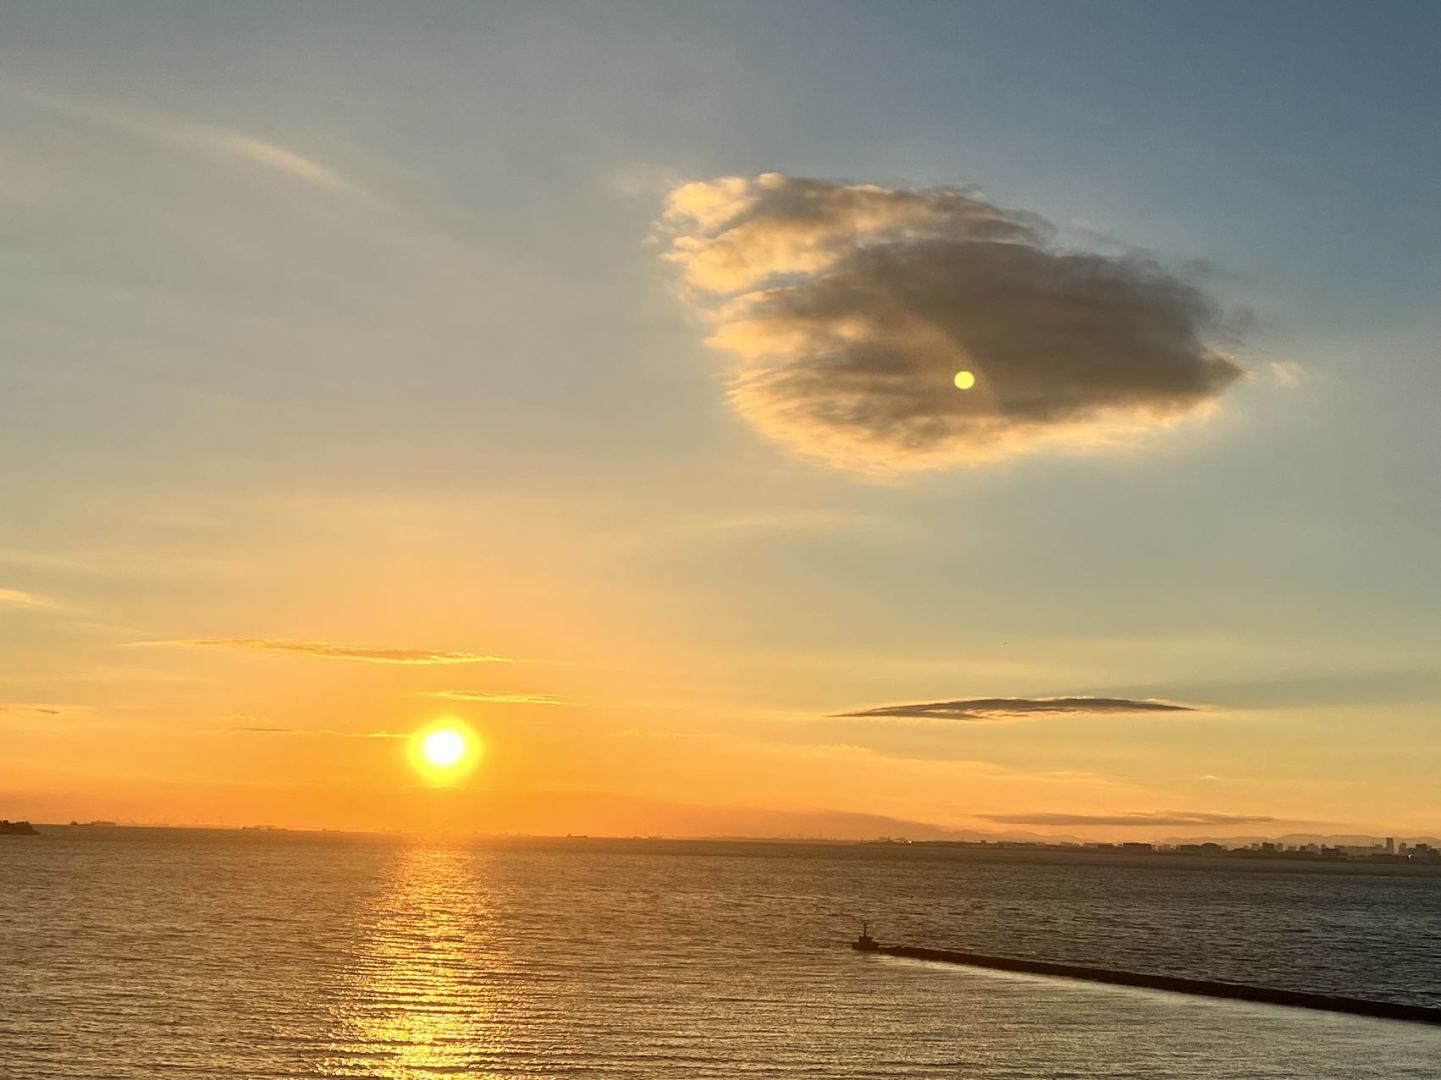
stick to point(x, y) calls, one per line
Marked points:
point(337, 335)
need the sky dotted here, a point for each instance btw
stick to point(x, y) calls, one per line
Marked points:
point(584, 374)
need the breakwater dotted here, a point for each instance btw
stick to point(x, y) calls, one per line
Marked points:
point(1200, 987)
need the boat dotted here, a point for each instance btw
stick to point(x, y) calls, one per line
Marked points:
point(17, 828)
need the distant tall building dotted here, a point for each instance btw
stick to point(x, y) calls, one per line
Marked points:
point(1390, 845)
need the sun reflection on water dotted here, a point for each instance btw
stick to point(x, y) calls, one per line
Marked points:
point(423, 994)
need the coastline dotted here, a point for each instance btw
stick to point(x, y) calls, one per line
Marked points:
point(919, 851)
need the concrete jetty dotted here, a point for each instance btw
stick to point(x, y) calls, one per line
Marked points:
point(1387, 1010)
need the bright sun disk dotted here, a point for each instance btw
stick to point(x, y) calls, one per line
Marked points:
point(444, 751)
point(444, 747)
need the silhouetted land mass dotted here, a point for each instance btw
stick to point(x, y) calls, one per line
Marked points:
point(1200, 987)
point(1422, 860)
point(17, 828)
point(1416, 853)
point(1112, 856)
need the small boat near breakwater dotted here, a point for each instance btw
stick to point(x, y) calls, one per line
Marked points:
point(1388, 1010)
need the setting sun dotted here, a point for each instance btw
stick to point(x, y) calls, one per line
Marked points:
point(443, 748)
point(444, 751)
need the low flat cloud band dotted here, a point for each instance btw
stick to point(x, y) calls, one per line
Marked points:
point(980, 710)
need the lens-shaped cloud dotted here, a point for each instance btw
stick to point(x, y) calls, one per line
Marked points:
point(851, 309)
point(979, 710)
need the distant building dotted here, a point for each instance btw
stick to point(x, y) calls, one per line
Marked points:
point(1425, 853)
point(1359, 851)
point(1207, 848)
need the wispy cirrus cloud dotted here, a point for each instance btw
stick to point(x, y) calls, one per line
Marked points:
point(981, 710)
point(646, 733)
point(330, 650)
point(851, 308)
point(1147, 817)
point(119, 563)
point(27, 718)
point(188, 135)
point(248, 725)
point(272, 156)
point(22, 599)
point(497, 698)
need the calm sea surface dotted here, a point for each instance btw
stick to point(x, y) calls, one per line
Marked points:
point(130, 953)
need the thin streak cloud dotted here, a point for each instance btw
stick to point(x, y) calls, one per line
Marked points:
point(983, 710)
point(497, 698)
point(645, 733)
point(262, 729)
point(329, 650)
point(21, 598)
point(278, 158)
point(193, 136)
point(1152, 817)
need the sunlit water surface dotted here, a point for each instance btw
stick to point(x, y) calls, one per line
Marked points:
point(142, 953)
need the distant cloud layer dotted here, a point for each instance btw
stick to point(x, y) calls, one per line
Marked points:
point(266, 729)
point(21, 598)
point(646, 733)
point(969, 710)
point(1154, 817)
point(497, 698)
point(852, 308)
point(329, 650)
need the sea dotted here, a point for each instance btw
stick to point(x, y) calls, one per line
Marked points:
point(131, 954)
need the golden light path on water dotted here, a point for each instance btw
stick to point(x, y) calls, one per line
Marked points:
point(425, 993)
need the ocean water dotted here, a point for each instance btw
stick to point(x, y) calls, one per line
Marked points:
point(128, 954)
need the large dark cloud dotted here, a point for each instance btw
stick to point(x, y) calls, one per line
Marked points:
point(984, 709)
point(852, 308)
point(1151, 817)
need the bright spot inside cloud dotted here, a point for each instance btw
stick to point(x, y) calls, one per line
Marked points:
point(965, 380)
point(443, 752)
point(849, 310)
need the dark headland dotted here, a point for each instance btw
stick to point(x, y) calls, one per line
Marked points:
point(1201, 987)
point(17, 828)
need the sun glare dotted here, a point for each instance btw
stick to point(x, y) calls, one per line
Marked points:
point(443, 748)
point(444, 751)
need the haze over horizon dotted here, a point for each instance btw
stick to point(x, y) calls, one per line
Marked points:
point(586, 388)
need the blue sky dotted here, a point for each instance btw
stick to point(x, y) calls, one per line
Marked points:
point(349, 320)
